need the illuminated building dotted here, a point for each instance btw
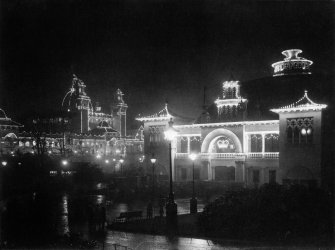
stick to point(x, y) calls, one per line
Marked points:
point(80, 131)
point(8, 132)
point(240, 138)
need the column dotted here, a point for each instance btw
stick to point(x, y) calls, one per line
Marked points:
point(188, 144)
point(263, 144)
point(239, 169)
point(209, 168)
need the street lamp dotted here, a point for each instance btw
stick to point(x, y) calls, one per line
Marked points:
point(4, 163)
point(153, 161)
point(193, 201)
point(171, 206)
point(65, 162)
point(121, 162)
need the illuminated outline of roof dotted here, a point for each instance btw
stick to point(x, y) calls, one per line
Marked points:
point(160, 116)
point(303, 104)
point(228, 124)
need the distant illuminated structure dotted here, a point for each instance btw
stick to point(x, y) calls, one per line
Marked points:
point(87, 119)
point(119, 108)
point(9, 130)
point(79, 103)
point(292, 63)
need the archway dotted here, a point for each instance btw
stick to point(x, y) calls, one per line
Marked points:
point(221, 136)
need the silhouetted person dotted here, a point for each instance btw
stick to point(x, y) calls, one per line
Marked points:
point(149, 210)
point(161, 206)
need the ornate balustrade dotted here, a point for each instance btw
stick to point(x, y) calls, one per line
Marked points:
point(260, 155)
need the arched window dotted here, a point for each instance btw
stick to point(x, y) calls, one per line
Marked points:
point(183, 144)
point(271, 143)
point(195, 144)
point(234, 93)
point(255, 143)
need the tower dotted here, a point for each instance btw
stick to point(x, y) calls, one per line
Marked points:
point(300, 141)
point(231, 106)
point(119, 109)
point(78, 104)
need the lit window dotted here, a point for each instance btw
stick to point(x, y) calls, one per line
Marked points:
point(300, 130)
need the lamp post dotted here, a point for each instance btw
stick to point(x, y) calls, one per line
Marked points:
point(153, 161)
point(171, 206)
point(121, 162)
point(193, 201)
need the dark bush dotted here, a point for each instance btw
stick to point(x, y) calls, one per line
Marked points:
point(269, 213)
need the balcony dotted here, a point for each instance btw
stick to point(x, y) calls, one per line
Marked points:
point(232, 156)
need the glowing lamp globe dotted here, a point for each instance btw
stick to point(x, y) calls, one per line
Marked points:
point(121, 161)
point(170, 133)
point(303, 131)
point(106, 161)
point(192, 156)
point(4, 163)
point(64, 162)
point(309, 131)
point(153, 160)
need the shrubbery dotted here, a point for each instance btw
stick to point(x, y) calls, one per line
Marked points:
point(269, 213)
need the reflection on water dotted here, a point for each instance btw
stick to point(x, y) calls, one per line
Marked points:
point(48, 217)
point(63, 225)
point(145, 241)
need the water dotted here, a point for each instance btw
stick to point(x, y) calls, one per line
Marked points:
point(39, 221)
point(36, 219)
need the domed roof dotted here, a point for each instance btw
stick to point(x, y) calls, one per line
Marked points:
point(2, 114)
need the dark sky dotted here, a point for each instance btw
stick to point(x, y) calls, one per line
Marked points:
point(151, 50)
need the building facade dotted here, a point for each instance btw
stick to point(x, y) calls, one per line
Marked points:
point(234, 147)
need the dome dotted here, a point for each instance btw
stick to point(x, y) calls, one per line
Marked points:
point(2, 114)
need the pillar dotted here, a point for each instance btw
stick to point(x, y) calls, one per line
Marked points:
point(239, 171)
point(210, 175)
point(263, 144)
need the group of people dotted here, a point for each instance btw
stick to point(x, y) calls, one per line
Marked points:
point(150, 209)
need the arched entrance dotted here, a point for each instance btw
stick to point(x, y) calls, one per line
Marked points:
point(222, 167)
point(222, 139)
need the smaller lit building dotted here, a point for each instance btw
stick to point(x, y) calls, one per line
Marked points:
point(9, 130)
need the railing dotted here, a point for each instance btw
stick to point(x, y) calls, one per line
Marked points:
point(266, 155)
point(222, 156)
point(260, 155)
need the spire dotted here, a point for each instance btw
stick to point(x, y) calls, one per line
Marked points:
point(231, 77)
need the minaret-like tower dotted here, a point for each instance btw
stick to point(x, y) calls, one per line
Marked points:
point(82, 102)
point(119, 108)
point(78, 103)
point(231, 106)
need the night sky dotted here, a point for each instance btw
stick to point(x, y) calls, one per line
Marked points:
point(151, 50)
